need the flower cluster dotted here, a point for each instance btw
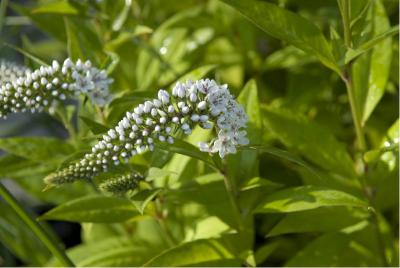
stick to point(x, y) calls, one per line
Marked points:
point(121, 184)
point(10, 71)
point(23, 90)
point(203, 103)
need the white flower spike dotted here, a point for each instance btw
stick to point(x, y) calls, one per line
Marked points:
point(136, 132)
point(23, 90)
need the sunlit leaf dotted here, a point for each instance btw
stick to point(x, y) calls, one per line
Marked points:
point(305, 198)
point(93, 208)
point(287, 26)
point(209, 252)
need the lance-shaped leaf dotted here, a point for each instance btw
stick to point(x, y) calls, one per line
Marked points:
point(95, 208)
point(287, 26)
point(305, 198)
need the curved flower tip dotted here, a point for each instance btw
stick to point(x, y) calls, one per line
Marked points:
point(121, 184)
point(203, 103)
point(23, 90)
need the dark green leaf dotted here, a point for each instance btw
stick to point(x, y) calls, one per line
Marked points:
point(94, 126)
point(38, 149)
point(27, 54)
point(316, 143)
point(185, 148)
point(17, 236)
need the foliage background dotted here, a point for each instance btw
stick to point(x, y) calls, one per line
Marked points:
point(300, 193)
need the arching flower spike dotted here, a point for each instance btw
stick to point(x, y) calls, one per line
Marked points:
point(203, 103)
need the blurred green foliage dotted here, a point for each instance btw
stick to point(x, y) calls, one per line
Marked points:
point(304, 192)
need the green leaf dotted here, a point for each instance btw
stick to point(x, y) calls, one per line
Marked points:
point(244, 164)
point(119, 251)
point(197, 73)
point(124, 36)
point(19, 238)
point(380, 63)
point(201, 252)
point(316, 143)
point(318, 220)
point(249, 99)
point(287, 57)
point(49, 23)
point(3, 9)
point(185, 148)
point(265, 251)
point(370, 72)
point(12, 166)
point(73, 43)
point(283, 155)
point(287, 26)
point(155, 173)
point(57, 7)
point(334, 249)
point(94, 126)
point(351, 54)
point(38, 149)
point(142, 198)
point(27, 54)
point(305, 198)
point(94, 208)
point(113, 59)
point(122, 17)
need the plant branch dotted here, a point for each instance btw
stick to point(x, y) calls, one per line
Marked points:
point(355, 112)
point(36, 228)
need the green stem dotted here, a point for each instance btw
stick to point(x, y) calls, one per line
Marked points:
point(347, 78)
point(67, 124)
point(161, 220)
point(346, 23)
point(36, 228)
point(345, 8)
point(232, 193)
point(354, 109)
